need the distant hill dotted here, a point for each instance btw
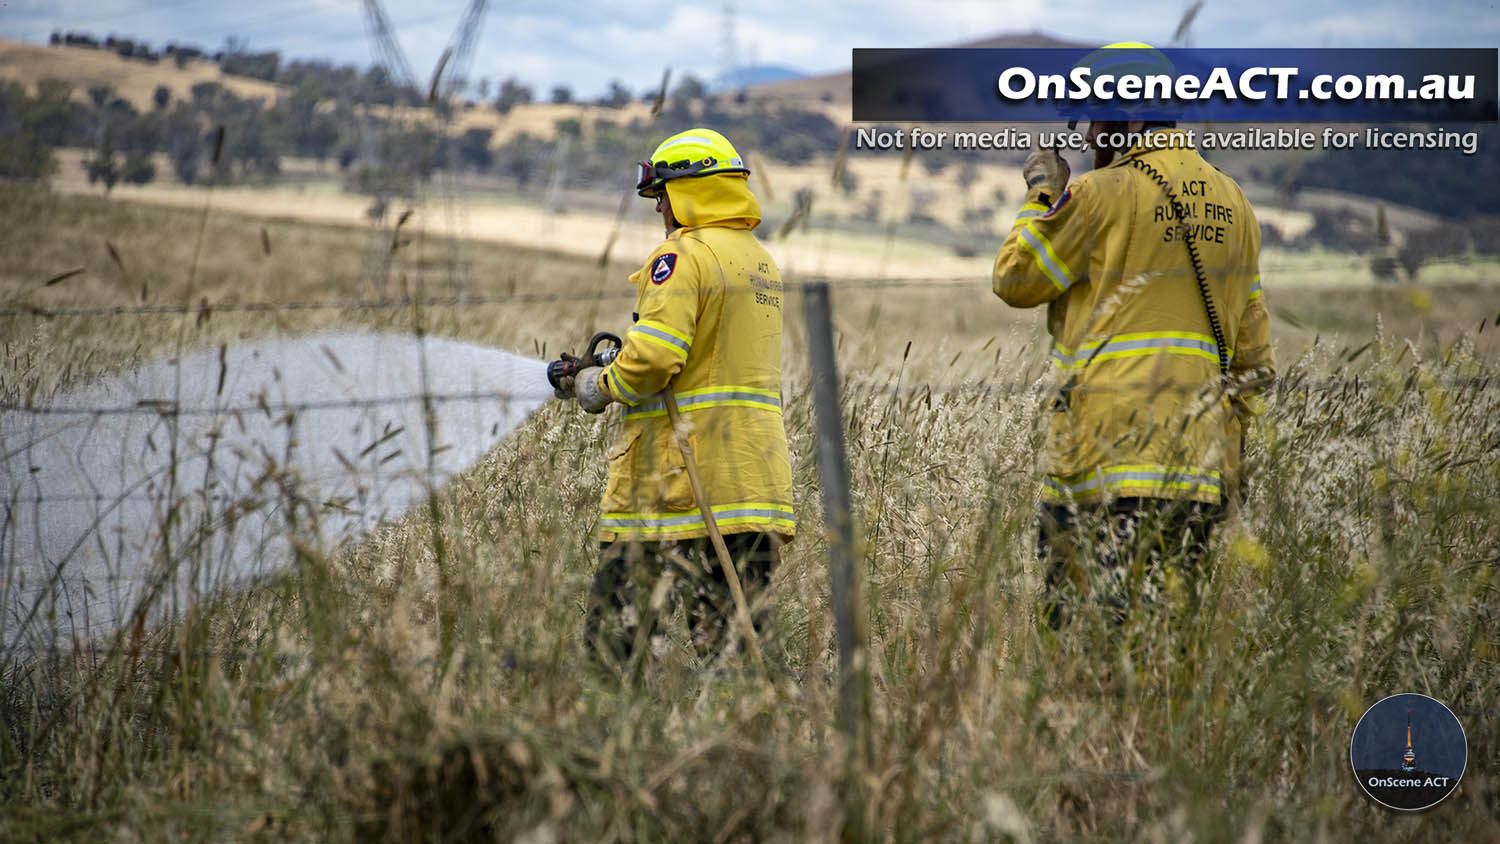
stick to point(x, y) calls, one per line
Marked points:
point(746, 77)
point(136, 82)
point(133, 80)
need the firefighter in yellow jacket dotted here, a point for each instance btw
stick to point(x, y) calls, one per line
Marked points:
point(708, 332)
point(1148, 266)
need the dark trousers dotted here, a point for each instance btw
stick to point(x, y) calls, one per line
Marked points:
point(640, 582)
point(1116, 555)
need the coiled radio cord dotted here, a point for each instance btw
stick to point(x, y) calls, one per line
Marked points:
point(1192, 250)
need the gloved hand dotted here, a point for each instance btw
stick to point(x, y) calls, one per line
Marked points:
point(1044, 167)
point(563, 385)
point(591, 395)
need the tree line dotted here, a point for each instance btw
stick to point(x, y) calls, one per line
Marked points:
point(327, 113)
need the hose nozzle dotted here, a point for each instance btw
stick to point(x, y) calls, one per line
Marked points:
point(568, 366)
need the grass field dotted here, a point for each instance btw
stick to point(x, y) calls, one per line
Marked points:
point(429, 684)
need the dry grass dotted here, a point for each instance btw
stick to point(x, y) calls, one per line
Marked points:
point(321, 705)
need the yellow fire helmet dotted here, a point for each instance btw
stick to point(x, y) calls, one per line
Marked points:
point(1123, 58)
point(696, 152)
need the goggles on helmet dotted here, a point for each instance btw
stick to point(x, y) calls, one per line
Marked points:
point(652, 178)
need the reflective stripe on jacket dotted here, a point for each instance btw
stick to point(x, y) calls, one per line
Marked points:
point(1141, 410)
point(708, 329)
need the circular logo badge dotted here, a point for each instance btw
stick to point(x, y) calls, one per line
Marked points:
point(1408, 752)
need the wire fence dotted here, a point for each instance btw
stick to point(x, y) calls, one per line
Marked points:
point(166, 408)
point(1037, 386)
point(1033, 383)
point(201, 462)
point(144, 501)
point(462, 301)
point(927, 283)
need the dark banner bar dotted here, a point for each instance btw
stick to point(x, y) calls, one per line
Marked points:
point(1141, 83)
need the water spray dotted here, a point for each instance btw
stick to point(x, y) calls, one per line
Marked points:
point(335, 433)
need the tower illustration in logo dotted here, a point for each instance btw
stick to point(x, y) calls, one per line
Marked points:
point(1409, 758)
point(1394, 780)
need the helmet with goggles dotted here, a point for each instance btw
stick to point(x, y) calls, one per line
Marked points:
point(1118, 60)
point(696, 152)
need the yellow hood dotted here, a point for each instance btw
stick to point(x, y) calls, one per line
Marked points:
point(722, 200)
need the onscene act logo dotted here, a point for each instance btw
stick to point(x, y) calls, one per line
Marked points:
point(1408, 752)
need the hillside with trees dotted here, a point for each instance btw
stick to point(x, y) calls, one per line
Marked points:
point(360, 119)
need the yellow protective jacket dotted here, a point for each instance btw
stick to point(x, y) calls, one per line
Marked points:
point(707, 328)
point(1141, 410)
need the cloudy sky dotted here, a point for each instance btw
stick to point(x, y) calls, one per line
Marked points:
point(586, 43)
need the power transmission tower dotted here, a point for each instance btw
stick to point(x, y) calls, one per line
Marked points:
point(1183, 36)
point(448, 79)
point(387, 52)
point(457, 57)
point(728, 47)
point(403, 173)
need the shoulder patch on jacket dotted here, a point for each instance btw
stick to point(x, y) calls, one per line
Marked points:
point(1061, 201)
point(663, 267)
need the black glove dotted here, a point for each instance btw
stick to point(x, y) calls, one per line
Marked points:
point(563, 373)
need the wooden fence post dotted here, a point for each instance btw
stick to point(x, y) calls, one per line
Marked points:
point(848, 620)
